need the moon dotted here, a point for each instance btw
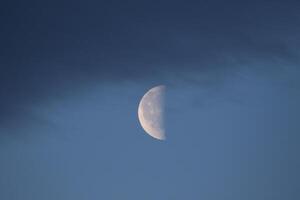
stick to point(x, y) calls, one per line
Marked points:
point(151, 112)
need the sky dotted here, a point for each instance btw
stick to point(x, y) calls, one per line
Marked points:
point(73, 73)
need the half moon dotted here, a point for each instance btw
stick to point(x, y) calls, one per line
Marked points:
point(151, 112)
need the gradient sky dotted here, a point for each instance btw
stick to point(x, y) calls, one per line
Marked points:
point(73, 73)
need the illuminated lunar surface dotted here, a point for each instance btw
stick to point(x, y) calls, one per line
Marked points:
point(151, 112)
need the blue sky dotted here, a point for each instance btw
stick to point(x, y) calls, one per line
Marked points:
point(72, 76)
point(237, 140)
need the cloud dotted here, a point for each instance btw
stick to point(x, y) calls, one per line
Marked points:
point(47, 56)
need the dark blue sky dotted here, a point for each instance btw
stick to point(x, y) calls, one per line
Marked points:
point(73, 73)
